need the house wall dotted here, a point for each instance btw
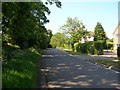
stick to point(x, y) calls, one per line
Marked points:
point(91, 38)
point(116, 38)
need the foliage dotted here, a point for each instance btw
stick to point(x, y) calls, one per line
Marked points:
point(7, 51)
point(21, 22)
point(100, 34)
point(111, 40)
point(0, 11)
point(74, 30)
point(57, 2)
point(58, 39)
point(20, 71)
point(73, 53)
point(98, 47)
point(89, 47)
point(24, 23)
point(76, 46)
point(109, 45)
point(23, 28)
point(65, 47)
point(49, 35)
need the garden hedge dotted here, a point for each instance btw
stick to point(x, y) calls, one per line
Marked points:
point(94, 47)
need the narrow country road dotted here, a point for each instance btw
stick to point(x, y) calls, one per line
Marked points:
point(65, 71)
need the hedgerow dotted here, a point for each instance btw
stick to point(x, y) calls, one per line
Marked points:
point(93, 48)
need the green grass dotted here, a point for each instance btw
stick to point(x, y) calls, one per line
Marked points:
point(118, 58)
point(64, 47)
point(73, 53)
point(111, 64)
point(20, 71)
point(60, 47)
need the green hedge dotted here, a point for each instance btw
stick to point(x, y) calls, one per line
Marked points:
point(109, 46)
point(94, 48)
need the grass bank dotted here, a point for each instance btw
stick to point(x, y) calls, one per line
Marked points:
point(73, 53)
point(20, 71)
point(111, 64)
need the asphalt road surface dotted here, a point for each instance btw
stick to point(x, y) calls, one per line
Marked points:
point(65, 71)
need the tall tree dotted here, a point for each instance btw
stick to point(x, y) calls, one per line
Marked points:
point(24, 23)
point(74, 29)
point(99, 34)
point(58, 39)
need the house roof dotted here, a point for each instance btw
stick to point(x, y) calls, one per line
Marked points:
point(91, 33)
point(116, 29)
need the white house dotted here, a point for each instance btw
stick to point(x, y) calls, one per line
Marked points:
point(88, 38)
point(116, 38)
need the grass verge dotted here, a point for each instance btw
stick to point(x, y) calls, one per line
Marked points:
point(20, 71)
point(111, 64)
point(73, 53)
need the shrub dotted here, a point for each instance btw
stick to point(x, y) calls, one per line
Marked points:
point(90, 49)
point(94, 47)
point(7, 52)
point(76, 46)
point(83, 47)
point(109, 46)
point(98, 48)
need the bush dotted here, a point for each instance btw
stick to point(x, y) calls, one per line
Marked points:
point(94, 47)
point(90, 49)
point(76, 46)
point(98, 48)
point(109, 46)
point(66, 46)
point(7, 52)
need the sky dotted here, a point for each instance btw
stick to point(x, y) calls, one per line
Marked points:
point(89, 12)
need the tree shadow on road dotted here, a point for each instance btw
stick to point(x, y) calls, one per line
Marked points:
point(64, 71)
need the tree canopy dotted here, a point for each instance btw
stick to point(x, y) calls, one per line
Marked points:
point(58, 39)
point(99, 34)
point(24, 23)
point(74, 28)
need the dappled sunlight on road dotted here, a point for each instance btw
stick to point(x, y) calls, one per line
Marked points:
point(65, 71)
point(77, 65)
point(81, 76)
point(52, 55)
point(106, 56)
point(66, 75)
point(66, 83)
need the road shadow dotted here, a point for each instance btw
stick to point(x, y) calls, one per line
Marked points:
point(65, 71)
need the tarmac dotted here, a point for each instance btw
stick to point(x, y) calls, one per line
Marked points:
point(63, 70)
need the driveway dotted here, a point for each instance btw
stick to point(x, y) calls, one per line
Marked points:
point(65, 71)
